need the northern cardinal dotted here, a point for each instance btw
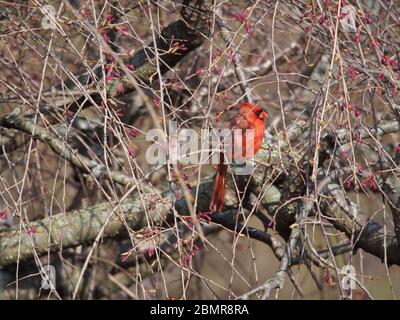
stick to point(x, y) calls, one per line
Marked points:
point(250, 116)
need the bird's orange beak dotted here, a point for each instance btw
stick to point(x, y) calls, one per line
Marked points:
point(263, 115)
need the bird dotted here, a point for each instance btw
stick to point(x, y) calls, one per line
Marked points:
point(249, 116)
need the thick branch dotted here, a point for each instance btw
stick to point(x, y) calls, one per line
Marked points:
point(348, 218)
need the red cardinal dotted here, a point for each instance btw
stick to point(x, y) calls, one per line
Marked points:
point(249, 116)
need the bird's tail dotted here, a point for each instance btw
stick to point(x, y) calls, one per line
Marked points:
point(218, 195)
